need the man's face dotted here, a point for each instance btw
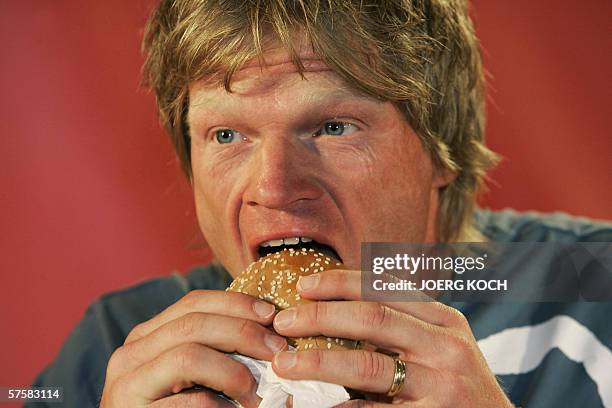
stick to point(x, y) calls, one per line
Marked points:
point(285, 157)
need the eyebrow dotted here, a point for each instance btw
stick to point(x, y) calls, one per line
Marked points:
point(339, 96)
point(332, 99)
point(336, 102)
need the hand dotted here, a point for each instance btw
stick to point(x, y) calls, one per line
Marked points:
point(184, 346)
point(444, 366)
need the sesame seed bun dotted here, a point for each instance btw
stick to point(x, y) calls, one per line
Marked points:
point(273, 279)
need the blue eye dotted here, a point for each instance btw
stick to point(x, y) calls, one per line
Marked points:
point(334, 128)
point(225, 136)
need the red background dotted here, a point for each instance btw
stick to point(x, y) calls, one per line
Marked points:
point(92, 199)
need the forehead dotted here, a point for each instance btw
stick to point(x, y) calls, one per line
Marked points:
point(272, 83)
point(271, 75)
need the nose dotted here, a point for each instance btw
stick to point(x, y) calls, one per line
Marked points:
point(283, 173)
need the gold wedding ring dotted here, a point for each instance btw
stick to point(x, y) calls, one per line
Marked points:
point(398, 378)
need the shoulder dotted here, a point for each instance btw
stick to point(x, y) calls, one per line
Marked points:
point(127, 307)
point(511, 226)
point(568, 339)
point(81, 363)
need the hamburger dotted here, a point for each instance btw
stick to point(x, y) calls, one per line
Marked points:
point(273, 278)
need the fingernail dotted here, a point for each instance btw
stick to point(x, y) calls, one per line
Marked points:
point(263, 309)
point(284, 319)
point(285, 359)
point(308, 282)
point(274, 343)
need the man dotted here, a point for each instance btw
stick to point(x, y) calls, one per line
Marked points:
point(340, 122)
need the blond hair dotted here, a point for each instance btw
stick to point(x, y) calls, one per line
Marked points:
point(421, 55)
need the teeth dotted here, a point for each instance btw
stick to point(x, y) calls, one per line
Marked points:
point(275, 242)
point(285, 241)
point(292, 241)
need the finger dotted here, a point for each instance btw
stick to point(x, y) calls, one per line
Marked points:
point(186, 366)
point(373, 322)
point(363, 404)
point(357, 369)
point(209, 301)
point(339, 284)
point(193, 399)
point(225, 333)
point(374, 404)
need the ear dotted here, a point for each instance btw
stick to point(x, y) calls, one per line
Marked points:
point(442, 177)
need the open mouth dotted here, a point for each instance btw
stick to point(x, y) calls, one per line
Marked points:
point(296, 243)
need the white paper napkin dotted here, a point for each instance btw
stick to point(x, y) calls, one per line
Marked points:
point(274, 390)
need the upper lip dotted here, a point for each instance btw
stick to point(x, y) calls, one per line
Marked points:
point(255, 241)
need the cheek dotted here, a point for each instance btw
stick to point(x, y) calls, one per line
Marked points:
point(386, 189)
point(211, 185)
